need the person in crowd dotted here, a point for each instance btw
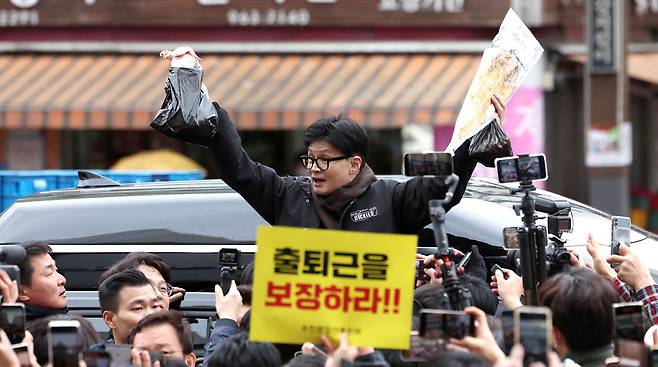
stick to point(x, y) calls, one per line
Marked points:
point(39, 329)
point(483, 344)
point(166, 332)
point(155, 269)
point(125, 299)
point(633, 280)
point(581, 303)
point(340, 182)
point(42, 287)
point(230, 312)
point(238, 351)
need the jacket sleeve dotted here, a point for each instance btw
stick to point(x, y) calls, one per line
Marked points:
point(649, 298)
point(224, 329)
point(260, 185)
point(410, 199)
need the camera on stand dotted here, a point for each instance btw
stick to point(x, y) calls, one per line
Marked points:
point(440, 166)
point(229, 267)
point(533, 253)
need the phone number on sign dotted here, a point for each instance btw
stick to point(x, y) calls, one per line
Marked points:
point(269, 17)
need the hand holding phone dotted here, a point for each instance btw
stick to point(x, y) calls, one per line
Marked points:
point(420, 271)
point(620, 233)
point(9, 290)
point(531, 327)
point(23, 353)
point(628, 321)
point(446, 324)
point(12, 321)
point(464, 260)
point(64, 346)
point(507, 321)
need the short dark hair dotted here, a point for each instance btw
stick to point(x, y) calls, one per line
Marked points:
point(341, 132)
point(581, 302)
point(173, 318)
point(306, 360)
point(246, 292)
point(426, 296)
point(247, 276)
point(245, 321)
point(238, 351)
point(39, 330)
point(133, 260)
point(32, 249)
point(108, 291)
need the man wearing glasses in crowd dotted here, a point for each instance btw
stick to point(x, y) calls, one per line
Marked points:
point(341, 191)
point(155, 270)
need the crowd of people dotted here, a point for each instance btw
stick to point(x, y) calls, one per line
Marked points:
point(136, 299)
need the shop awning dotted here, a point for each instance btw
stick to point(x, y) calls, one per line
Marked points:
point(640, 65)
point(283, 91)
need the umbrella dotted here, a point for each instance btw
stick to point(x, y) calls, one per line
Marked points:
point(163, 160)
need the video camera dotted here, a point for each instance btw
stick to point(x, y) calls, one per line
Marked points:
point(440, 165)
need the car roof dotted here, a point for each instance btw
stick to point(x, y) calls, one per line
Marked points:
point(191, 212)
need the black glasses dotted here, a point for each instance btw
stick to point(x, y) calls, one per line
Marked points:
point(166, 289)
point(321, 163)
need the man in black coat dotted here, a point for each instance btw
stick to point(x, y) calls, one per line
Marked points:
point(341, 191)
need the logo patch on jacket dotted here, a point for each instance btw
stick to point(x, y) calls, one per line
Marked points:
point(363, 214)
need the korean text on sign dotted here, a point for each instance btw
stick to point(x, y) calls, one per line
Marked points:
point(310, 282)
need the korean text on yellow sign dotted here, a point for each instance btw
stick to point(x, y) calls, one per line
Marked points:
point(312, 282)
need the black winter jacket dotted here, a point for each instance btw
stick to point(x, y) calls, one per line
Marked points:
point(386, 206)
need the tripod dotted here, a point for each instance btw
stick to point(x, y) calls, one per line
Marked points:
point(532, 242)
point(455, 297)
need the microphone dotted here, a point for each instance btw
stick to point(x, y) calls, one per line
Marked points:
point(12, 254)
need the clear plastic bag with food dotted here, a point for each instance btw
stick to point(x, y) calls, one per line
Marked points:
point(504, 66)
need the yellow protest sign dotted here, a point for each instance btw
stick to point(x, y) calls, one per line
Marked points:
point(313, 282)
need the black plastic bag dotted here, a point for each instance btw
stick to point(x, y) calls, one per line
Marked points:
point(490, 143)
point(187, 113)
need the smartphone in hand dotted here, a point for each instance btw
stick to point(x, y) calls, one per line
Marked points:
point(531, 328)
point(12, 321)
point(64, 345)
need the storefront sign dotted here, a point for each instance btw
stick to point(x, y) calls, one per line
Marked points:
point(251, 13)
point(311, 282)
point(603, 35)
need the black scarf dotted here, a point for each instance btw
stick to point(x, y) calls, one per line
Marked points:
point(36, 312)
point(330, 207)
